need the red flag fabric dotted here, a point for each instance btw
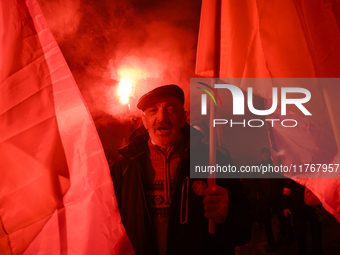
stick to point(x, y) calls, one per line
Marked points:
point(282, 39)
point(56, 193)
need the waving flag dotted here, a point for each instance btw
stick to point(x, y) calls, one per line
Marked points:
point(283, 39)
point(56, 194)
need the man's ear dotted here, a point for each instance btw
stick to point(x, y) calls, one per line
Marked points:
point(184, 118)
point(144, 120)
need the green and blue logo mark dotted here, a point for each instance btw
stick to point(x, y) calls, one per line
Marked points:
point(204, 97)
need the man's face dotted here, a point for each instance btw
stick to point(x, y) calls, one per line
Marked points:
point(264, 156)
point(164, 119)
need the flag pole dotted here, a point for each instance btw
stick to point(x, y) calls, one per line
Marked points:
point(211, 181)
point(212, 134)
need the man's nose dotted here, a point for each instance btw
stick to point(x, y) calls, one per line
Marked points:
point(162, 115)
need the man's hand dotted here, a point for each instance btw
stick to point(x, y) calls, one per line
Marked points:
point(286, 212)
point(216, 203)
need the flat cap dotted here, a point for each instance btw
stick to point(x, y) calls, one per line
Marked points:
point(165, 90)
point(263, 150)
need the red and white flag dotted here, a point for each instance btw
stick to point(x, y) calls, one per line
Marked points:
point(283, 39)
point(56, 193)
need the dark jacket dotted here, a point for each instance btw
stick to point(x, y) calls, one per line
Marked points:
point(269, 187)
point(191, 237)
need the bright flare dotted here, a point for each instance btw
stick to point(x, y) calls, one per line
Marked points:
point(124, 90)
point(133, 71)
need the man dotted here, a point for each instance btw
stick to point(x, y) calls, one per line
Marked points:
point(162, 209)
point(270, 191)
point(295, 202)
point(265, 156)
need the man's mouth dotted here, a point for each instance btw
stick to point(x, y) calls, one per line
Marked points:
point(163, 130)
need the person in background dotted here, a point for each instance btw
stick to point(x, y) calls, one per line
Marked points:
point(270, 192)
point(303, 205)
point(330, 233)
point(251, 191)
point(163, 210)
